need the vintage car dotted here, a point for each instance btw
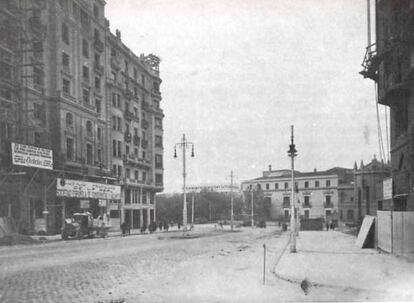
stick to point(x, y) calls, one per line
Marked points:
point(84, 225)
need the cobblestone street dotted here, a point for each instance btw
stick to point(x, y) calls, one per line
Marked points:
point(101, 269)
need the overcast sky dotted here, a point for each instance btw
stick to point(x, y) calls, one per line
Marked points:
point(237, 73)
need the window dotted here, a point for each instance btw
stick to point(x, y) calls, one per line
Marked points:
point(259, 187)
point(66, 86)
point(328, 212)
point(118, 101)
point(85, 48)
point(119, 149)
point(136, 152)
point(69, 149)
point(286, 201)
point(89, 128)
point(127, 149)
point(286, 214)
point(65, 60)
point(158, 123)
point(126, 67)
point(37, 139)
point(328, 201)
point(69, 120)
point(135, 131)
point(136, 175)
point(89, 154)
point(306, 201)
point(127, 173)
point(119, 171)
point(135, 74)
point(286, 185)
point(65, 33)
point(97, 59)
point(135, 111)
point(113, 122)
point(37, 76)
point(113, 99)
point(158, 161)
point(98, 106)
point(135, 92)
point(114, 148)
point(98, 83)
point(144, 155)
point(276, 185)
point(85, 73)
point(158, 141)
point(38, 111)
point(119, 124)
point(99, 156)
point(126, 127)
point(306, 213)
point(267, 186)
point(142, 79)
point(328, 183)
point(86, 96)
point(350, 214)
point(144, 177)
point(127, 106)
point(316, 183)
point(99, 133)
point(306, 184)
point(158, 179)
point(379, 205)
point(96, 11)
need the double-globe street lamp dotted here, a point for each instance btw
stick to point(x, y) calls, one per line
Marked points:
point(184, 144)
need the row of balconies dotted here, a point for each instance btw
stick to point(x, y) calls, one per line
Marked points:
point(134, 159)
point(135, 139)
point(309, 205)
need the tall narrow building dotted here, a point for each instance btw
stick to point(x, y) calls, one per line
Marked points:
point(390, 63)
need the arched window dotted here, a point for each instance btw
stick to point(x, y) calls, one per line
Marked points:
point(69, 120)
point(89, 127)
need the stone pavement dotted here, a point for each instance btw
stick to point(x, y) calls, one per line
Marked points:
point(331, 259)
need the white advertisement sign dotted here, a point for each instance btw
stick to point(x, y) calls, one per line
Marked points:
point(387, 188)
point(84, 189)
point(32, 156)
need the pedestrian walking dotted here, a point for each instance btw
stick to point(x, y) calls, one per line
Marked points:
point(166, 226)
point(160, 226)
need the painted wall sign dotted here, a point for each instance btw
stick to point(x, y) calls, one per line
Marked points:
point(84, 189)
point(32, 156)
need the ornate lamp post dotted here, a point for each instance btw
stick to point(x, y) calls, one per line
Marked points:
point(292, 154)
point(184, 144)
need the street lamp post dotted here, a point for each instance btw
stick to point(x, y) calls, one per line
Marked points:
point(292, 153)
point(231, 201)
point(184, 144)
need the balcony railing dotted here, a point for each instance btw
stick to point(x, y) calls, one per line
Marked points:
point(127, 137)
point(99, 45)
point(328, 205)
point(286, 204)
point(307, 205)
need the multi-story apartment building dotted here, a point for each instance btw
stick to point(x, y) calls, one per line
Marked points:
point(133, 90)
point(390, 63)
point(61, 68)
point(316, 192)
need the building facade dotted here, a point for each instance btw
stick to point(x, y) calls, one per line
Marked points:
point(316, 192)
point(62, 68)
point(390, 63)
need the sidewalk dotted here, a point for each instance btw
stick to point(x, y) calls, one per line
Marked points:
point(331, 259)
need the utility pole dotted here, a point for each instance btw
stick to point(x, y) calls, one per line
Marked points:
point(252, 214)
point(184, 144)
point(292, 154)
point(192, 210)
point(231, 200)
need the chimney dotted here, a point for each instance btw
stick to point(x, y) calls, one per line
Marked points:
point(270, 167)
point(118, 34)
point(314, 170)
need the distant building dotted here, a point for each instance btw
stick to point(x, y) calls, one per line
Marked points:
point(364, 195)
point(317, 191)
point(218, 188)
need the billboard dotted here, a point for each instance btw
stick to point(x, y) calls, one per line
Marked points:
point(32, 156)
point(84, 189)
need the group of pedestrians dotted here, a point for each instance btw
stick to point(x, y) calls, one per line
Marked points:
point(152, 227)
